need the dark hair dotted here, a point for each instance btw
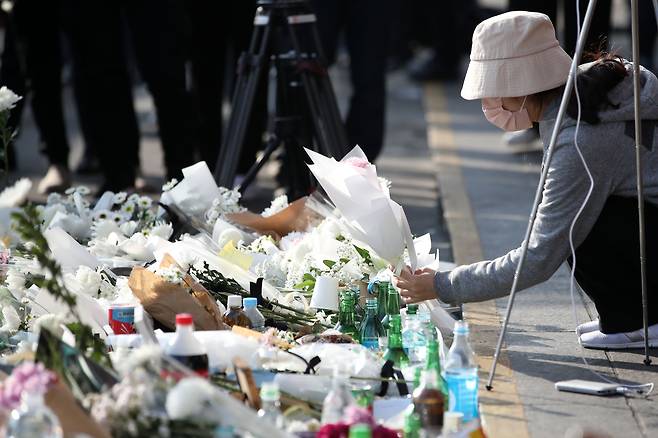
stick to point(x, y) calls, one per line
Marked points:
point(594, 84)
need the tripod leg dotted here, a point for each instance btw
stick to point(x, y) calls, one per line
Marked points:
point(329, 129)
point(270, 147)
point(242, 104)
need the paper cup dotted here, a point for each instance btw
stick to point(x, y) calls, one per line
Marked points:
point(325, 293)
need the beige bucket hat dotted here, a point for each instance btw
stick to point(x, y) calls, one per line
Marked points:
point(515, 54)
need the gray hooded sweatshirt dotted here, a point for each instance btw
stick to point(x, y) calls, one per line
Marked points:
point(609, 150)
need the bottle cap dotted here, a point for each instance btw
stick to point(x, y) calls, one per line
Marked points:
point(360, 431)
point(269, 391)
point(461, 327)
point(184, 319)
point(452, 421)
point(234, 301)
point(250, 302)
point(412, 309)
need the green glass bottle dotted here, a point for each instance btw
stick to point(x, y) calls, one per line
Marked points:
point(346, 317)
point(412, 425)
point(433, 365)
point(392, 305)
point(395, 352)
point(371, 328)
point(382, 294)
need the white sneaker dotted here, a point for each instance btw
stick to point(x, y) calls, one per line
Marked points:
point(57, 179)
point(619, 341)
point(587, 327)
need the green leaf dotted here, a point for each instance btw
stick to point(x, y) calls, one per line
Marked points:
point(330, 263)
point(365, 255)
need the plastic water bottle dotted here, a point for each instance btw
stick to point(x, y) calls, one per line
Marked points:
point(461, 373)
point(257, 319)
point(270, 404)
point(339, 398)
point(33, 419)
point(413, 336)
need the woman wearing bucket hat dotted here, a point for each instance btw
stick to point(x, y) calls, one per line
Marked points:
point(518, 70)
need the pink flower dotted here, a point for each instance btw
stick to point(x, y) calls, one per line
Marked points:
point(29, 376)
point(357, 162)
point(359, 415)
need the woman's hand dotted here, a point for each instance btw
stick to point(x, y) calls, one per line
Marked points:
point(416, 286)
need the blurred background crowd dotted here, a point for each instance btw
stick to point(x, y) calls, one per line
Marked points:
point(183, 54)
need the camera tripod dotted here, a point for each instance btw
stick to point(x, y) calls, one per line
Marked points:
point(285, 37)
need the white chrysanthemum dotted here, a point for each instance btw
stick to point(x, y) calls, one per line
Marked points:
point(83, 190)
point(128, 208)
point(279, 203)
point(117, 218)
point(144, 202)
point(162, 230)
point(8, 99)
point(119, 198)
point(137, 247)
point(134, 198)
point(85, 281)
point(102, 228)
point(102, 215)
point(15, 195)
point(189, 398)
point(51, 321)
point(103, 247)
point(291, 240)
point(54, 198)
point(126, 361)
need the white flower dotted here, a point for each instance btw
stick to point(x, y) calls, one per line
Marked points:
point(144, 202)
point(169, 185)
point(54, 198)
point(15, 281)
point(102, 215)
point(11, 319)
point(162, 230)
point(83, 190)
point(137, 247)
point(77, 227)
point(102, 228)
point(117, 218)
point(119, 198)
point(128, 208)
point(128, 228)
point(291, 240)
point(170, 275)
point(8, 99)
point(134, 198)
point(17, 194)
point(279, 203)
point(126, 361)
point(103, 247)
point(86, 281)
point(51, 321)
point(189, 398)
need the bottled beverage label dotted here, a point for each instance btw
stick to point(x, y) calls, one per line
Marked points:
point(197, 363)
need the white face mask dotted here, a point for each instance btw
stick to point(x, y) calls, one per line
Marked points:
point(505, 119)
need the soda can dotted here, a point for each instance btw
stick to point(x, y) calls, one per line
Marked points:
point(122, 318)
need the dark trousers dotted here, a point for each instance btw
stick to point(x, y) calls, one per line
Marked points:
point(97, 42)
point(31, 67)
point(366, 27)
point(608, 265)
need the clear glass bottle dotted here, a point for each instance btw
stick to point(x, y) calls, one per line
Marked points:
point(395, 352)
point(346, 316)
point(271, 404)
point(371, 328)
point(186, 348)
point(429, 404)
point(461, 374)
point(33, 419)
point(234, 314)
point(339, 398)
point(413, 336)
point(251, 310)
point(382, 292)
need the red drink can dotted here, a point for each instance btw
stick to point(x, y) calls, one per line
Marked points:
point(122, 318)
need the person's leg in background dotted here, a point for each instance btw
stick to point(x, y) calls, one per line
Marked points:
point(157, 40)
point(608, 270)
point(43, 64)
point(648, 33)
point(104, 89)
point(12, 75)
point(367, 36)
